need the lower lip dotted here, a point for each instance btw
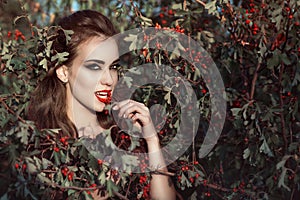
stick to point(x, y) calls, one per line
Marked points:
point(106, 100)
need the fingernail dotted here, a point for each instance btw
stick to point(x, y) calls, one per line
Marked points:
point(115, 107)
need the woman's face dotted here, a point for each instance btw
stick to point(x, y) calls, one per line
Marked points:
point(93, 74)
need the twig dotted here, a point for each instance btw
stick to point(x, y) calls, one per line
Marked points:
point(91, 188)
point(201, 2)
point(12, 112)
point(218, 187)
point(254, 81)
point(281, 108)
point(163, 173)
point(78, 188)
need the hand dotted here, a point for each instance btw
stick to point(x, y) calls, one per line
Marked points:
point(102, 196)
point(140, 116)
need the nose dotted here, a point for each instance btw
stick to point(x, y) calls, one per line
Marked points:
point(107, 78)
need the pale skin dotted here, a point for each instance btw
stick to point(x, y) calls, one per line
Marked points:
point(78, 78)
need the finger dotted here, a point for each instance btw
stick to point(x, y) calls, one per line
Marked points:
point(143, 120)
point(126, 110)
point(123, 103)
point(132, 107)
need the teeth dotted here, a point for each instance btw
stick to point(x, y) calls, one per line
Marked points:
point(102, 94)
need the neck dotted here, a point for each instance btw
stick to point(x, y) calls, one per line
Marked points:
point(85, 120)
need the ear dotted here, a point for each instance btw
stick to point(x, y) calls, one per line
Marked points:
point(63, 73)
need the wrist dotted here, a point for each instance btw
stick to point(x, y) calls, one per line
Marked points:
point(153, 143)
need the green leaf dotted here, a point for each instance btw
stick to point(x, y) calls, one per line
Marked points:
point(285, 59)
point(246, 153)
point(46, 163)
point(266, 149)
point(281, 180)
point(102, 177)
point(43, 63)
point(282, 162)
point(111, 187)
point(60, 57)
point(42, 177)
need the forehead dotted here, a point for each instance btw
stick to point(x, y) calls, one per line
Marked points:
point(105, 49)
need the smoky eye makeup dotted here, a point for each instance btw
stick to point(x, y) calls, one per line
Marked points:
point(94, 64)
point(115, 65)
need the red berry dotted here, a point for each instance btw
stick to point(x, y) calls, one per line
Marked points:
point(9, 34)
point(65, 171)
point(24, 166)
point(248, 21)
point(93, 185)
point(63, 139)
point(17, 165)
point(70, 176)
point(236, 104)
point(56, 149)
point(291, 16)
point(161, 15)
point(170, 12)
point(100, 162)
point(204, 91)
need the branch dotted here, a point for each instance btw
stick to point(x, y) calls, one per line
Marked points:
point(254, 81)
point(281, 108)
point(201, 2)
point(12, 112)
point(163, 173)
point(87, 189)
point(218, 187)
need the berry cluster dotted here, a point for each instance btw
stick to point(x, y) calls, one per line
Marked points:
point(66, 172)
point(18, 34)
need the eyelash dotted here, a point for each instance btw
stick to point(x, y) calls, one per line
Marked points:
point(114, 66)
point(93, 66)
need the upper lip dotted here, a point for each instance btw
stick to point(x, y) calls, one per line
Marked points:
point(103, 92)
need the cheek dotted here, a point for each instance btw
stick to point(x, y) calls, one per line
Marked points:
point(115, 78)
point(84, 82)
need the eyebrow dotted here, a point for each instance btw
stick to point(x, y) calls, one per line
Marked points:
point(96, 60)
point(102, 62)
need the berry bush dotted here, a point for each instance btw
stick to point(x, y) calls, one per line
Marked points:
point(255, 45)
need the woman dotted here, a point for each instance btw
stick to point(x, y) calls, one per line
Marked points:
point(73, 91)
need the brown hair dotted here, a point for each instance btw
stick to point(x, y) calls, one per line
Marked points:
point(47, 107)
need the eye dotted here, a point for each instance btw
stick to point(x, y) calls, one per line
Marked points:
point(115, 66)
point(93, 66)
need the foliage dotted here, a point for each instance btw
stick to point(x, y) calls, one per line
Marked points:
point(256, 47)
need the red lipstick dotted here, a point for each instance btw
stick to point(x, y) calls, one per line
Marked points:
point(103, 96)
